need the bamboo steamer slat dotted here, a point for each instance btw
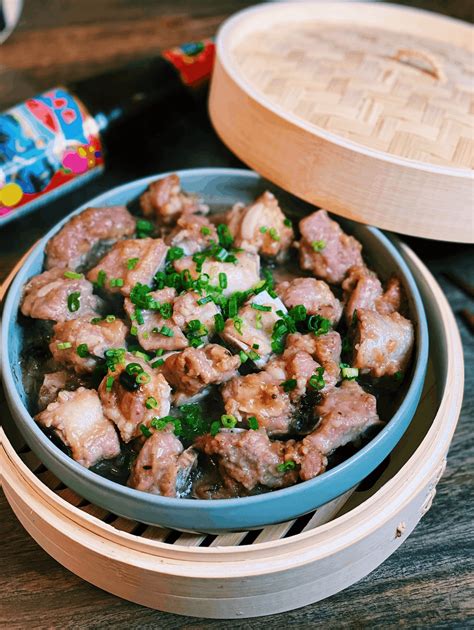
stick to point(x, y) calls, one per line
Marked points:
point(364, 109)
point(273, 574)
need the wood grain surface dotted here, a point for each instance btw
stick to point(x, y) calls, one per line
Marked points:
point(429, 581)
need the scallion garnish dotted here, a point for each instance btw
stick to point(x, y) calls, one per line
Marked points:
point(116, 282)
point(223, 280)
point(261, 307)
point(74, 301)
point(146, 431)
point(317, 380)
point(96, 320)
point(219, 323)
point(143, 378)
point(151, 403)
point(134, 331)
point(101, 278)
point(253, 355)
point(166, 331)
point(82, 350)
point(144, 228)
point(134, 368)
point(174, 253)
point(139, 316)
point(110, 318)
point(204, 300)
point(263, 229)
point(215, 427)
point(64, 345)
point(228, 421)
point(72, 275)
point(205, 231)
point(157, 363)
point(288, 465)
point(109, 383)
point(258, 321)
point(349, 373)
point(132, 263)
point(243, 356)
point(298, 313)
point(225, 237)
point(274, 234)
point(288, 223)
point(253, 423)
point(238, 323)
point(318, 325)
point(318, 245)
point(289, 385)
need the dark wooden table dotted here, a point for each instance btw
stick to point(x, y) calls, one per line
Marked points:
point(429, 581)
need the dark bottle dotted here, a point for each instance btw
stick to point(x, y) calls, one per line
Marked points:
point(56, 140)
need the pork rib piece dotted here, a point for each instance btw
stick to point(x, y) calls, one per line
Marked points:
point(73, 242)
point(77, 419)
point(162, 466)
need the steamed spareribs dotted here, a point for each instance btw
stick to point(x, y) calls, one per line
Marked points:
point(59, 295)
point(77, 419)
point(69, 247)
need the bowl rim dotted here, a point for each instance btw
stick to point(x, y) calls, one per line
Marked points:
point(107, 485)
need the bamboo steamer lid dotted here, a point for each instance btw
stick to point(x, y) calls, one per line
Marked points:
point(364, 109)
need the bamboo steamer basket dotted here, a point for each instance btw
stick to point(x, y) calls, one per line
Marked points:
point(279, 568)
point(364, 109)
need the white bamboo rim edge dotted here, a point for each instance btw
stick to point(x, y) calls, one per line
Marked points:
point(285, 554)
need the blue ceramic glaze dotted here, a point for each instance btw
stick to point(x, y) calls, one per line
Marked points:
point(220, 188)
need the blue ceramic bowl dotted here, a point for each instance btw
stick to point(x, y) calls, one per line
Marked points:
point(220, 188)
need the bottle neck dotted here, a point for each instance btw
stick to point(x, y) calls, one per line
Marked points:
point(114, 97)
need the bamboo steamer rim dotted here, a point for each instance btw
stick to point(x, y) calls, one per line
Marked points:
point(227, 31)
point(323, 167)
point(278, 555)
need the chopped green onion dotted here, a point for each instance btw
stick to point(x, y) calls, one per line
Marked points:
point(151, 403)
point(114, 357)
point(263, 229)
point(160, 352)
point(82, 350)
point(157, 363)
point(139, 316)
point(72, 275)
point(204, 300)
point(116, 282)
point(205, 231)
point(109, 383)
point(298, 313)
point(318, 245)
point(233, 306)
point(146, 431)
point(110, 318)
point(228, 421)
point(219, 322)
point(238, 323)
point(243, 356)
point(134, 368)
point(96, 320)
point(317, 380)
point(166, 331)
point(253, 355)
point(225, 237)
point(132, 263)
point(258, 321)
point(260, 307)
point(274, 234)
point(166, 310)
point(318, 325)
point(101, 278)
point(349, 373)
point(142, 355)
point(143, 378)
point(289, 385)
point(74, 301)
point(221, 254)
point(215, 426)
point(255, 346)
point(134, 331)
point(253, 423)
point(288, 465)
point(174, 253)
point(64, 345)
point(288, 223)
point(144, 228)
point(223, 280)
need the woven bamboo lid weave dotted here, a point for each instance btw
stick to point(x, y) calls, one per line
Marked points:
point(364, 109)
